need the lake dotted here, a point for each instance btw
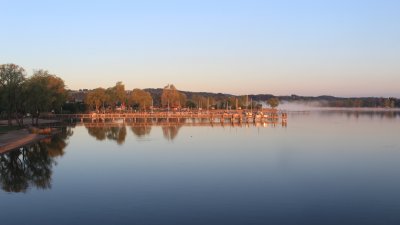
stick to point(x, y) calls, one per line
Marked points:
point(324, 167)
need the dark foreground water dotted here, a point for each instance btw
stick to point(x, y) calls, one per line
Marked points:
point(328, 167)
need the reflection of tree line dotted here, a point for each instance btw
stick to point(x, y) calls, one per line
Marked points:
point(118, 134)
point(170, 132)
point(141, 131)
point(101, 133)
point(31, 166)
point(390, 114)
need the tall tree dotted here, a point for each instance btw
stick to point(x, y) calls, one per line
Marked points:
point(140, 98)
point(117, 94)
point(11, 85)
point(46, 92)
point(171, 97)
point(96, 98)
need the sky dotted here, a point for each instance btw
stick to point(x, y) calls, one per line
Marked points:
point(348, 48)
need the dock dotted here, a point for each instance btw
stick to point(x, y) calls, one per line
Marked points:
point(209, 116)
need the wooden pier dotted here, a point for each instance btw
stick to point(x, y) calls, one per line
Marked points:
point(211, 116)
point(185, 123)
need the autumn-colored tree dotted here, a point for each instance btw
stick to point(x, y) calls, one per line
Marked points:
point(117, 94)
point(96, 98)
point(140, 98)
point(171, 97)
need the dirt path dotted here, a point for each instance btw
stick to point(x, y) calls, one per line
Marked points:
point(17, 138)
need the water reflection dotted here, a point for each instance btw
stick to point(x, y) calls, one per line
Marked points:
point(366, 114)
point(118, 133)
point(323, 168)
point(102, 132)
point(170, 128)
point(57, 144)
point(170, 132)
point(141, 131)
point(31, 166)
point(356, 113)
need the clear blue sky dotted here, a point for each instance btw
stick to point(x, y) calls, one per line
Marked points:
point(334, 47)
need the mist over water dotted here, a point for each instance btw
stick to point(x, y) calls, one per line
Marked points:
point(321, 106)
point(301, 106)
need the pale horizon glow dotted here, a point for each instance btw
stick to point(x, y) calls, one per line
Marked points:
point(340, 48)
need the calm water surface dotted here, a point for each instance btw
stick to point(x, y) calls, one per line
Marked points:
point(329, 167)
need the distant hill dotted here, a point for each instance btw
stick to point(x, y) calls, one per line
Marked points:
point(323, 100)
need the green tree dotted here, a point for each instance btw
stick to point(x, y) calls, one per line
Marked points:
point(45, 92)
point(190, 104)
point(96, 98)
point(140, 98)
point(12, 78)
point(273, 102)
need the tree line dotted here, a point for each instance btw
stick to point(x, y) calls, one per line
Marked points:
point(117, 98)
point(43, 92)
point(21, 95)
